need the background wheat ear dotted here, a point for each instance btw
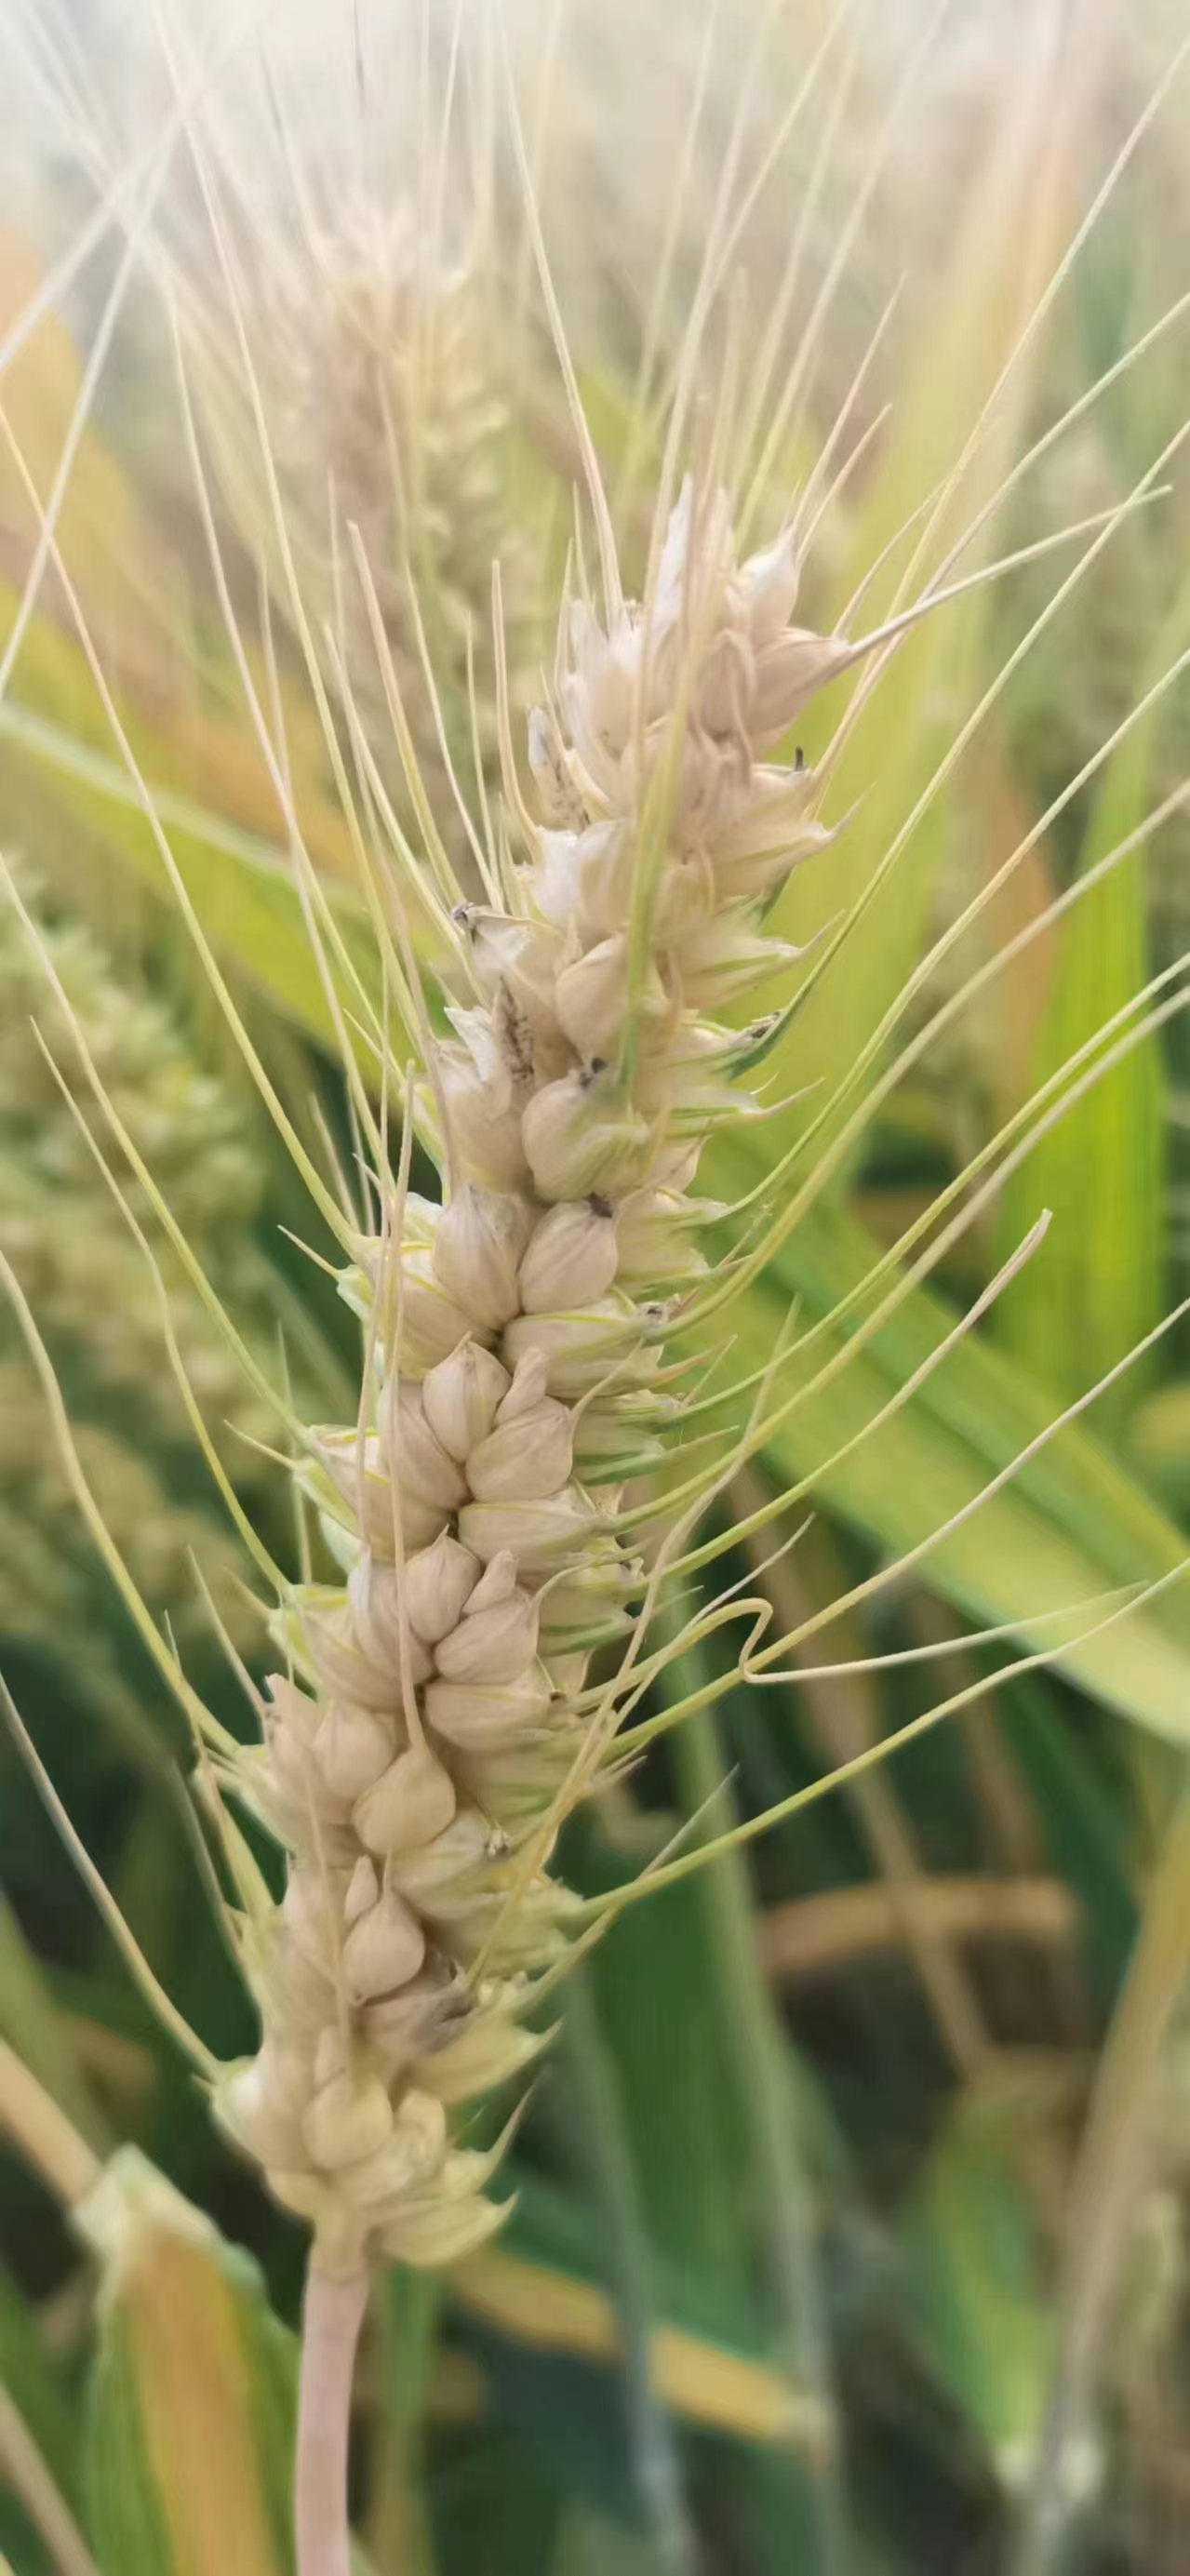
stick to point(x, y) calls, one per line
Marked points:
point(607, 1530)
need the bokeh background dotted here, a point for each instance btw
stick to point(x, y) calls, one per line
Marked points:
point(862, 2172)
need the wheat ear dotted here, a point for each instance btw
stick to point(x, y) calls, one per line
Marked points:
point(431, 1712)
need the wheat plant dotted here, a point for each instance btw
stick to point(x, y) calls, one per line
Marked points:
point(570, 1358)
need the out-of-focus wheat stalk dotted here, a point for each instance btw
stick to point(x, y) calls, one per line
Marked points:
point(379, 377)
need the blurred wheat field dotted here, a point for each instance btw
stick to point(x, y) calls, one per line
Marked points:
point(851, 2204)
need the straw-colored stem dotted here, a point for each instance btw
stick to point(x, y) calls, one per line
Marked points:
point(42, 2037)
point(816, 1936)
point(43, 2134)
point(1109, 2178)
point(24, 2470)
point(332, 2314)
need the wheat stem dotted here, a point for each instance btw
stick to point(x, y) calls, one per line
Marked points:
point(47, 2139)
point(815, 1937)
point(24, 2469)
point(332, 2315)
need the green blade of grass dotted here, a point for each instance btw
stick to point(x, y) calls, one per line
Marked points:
point(1001, 254)
point(978, 2272)
point(593, 2094)
point(245, 893)
point(711, 2355)
point(406, 2313)
point(32, 2024)
point(1072, 1525)
point(44, 2396)
point(1102, 1168)
point(779, 2191)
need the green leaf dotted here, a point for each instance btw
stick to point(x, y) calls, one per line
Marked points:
point(1095, 1291)
point(26, 2370)
point(243, 890)
point(190, 2430)
point(996, 261)
point(499, 2486)
point(584, 2079)
point(591, 2544)
point(785, 2216)
point(712, 2356)
point(31, 2021)
point(1071, 1525)
point(660, 2009)
point(979, 2275)
point(1088, 1825)
point(1158, 1443)
point(406, 2311)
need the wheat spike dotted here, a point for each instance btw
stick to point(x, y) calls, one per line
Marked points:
point(433, 1706)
